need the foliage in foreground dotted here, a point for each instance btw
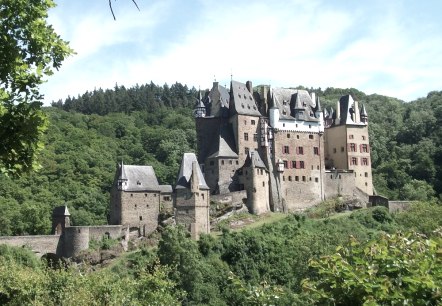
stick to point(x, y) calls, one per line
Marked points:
point(263, 265)
point(398, 269)
point(29, 52)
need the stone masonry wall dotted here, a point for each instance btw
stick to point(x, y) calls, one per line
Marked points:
point(41, 244)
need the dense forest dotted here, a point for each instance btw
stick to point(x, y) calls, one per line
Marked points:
point(153, 125)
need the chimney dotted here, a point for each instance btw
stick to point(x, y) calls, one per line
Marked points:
point(249, 86)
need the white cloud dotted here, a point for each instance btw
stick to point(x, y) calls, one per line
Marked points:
point(283, 43)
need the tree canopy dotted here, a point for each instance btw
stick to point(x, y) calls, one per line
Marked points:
point(30, 50)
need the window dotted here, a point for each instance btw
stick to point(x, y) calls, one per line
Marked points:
point(309, 126)
point(364, 148)
point(350, 136)
point(297, 178)
point(363, 137)
point(263, 184)
point(353, 161)
point(246, 150)
point(141, 218)
point(285, 164)
point(316, 150)
point(283, 178)
point(246, 136)
point(145, 194)
point(286, 150)
point(334, 150)
point(230, 162)
point(300, 150)
point(237, 162)
point(202, 195)
point(222, 162)
point(366, 174)
point(364, 162)
point(288, 135)
point(342, 149)
point(293, 164)
point(352, 147)
point(253, 122)
point(297, 136)
point(166, 198)
point(303, 178)
point(138, 183)
point(301, 164)
point(245, 121)
point(316, 180)
point(255, 137)
point(290, 178)
point(310, 136)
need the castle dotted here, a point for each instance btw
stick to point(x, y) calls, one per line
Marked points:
point(281, 147)
point(275, 149)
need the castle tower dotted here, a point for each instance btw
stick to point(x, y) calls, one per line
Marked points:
point(200, 109)
point(347, 143)
point(191, 199)
point(256, 182)
point(136, 198)
point(60, 220)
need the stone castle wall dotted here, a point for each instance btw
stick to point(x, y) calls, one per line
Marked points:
point(40, 244)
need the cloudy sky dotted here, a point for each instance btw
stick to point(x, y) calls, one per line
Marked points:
point(392, 48)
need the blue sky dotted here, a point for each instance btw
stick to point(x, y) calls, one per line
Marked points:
point(392, 48)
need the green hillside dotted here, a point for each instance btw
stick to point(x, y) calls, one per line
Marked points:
point(153, 125)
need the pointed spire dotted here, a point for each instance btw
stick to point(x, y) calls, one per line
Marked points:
point(363, 111)
point(364, 115)
point(318, 105)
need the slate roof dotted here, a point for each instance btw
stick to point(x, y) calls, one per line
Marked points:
point(225, 144)
point(254, 160)
point(139, 178)
point(243, 102)
point(212, 99)
point(166, 188)
point(61, 211)
point(363, 111)
point(292, 102)
point(185, 174)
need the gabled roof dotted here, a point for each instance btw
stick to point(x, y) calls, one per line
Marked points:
point(294, 103)
point(254, 160)
point(186, 173)
point(225, 144)
point(138, 178)
point(243, 102)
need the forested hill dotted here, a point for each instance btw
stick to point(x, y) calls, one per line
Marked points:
point(153, 125)
point(148, 97)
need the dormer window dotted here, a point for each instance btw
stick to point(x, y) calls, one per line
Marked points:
point(138, 183)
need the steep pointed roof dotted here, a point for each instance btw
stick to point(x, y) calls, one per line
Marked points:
point(225, 144)
point(139, 178)
point(61, 211)
point(243, 102)
point(363, 111)
point(254, 160)
point(186, 172)
point(318, 105)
